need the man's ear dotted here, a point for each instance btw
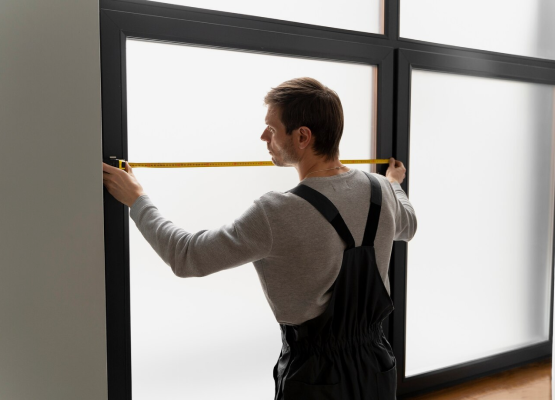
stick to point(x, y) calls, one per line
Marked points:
point(305, 137)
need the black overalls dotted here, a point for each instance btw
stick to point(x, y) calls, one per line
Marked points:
point(342, 353)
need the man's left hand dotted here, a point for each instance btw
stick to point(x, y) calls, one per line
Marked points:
point(122, 185)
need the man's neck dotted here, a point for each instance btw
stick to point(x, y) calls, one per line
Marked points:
point(317, 167)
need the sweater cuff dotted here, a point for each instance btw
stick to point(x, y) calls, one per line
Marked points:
point(140, 204)
point(396, 185)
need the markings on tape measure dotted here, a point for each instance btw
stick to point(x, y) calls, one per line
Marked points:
point(231, 164)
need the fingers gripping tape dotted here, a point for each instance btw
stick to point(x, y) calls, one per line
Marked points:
point(115, 162)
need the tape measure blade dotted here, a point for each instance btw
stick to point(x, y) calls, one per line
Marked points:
point(232, 164)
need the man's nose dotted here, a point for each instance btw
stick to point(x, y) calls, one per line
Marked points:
point(264, 135)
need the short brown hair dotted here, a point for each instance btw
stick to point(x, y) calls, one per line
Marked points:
point(306, 102)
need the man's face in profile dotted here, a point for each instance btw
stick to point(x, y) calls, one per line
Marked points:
point(279, 144)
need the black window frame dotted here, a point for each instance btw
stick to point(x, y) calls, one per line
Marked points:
point(469, 66)
point(394, 57)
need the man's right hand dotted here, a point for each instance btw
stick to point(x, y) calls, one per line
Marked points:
point(396, 171)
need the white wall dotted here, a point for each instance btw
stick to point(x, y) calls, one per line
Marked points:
point(52, 299)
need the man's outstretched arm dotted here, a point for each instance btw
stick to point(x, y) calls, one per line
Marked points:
point(205, 252)
point(405, 217)
point(247, 239)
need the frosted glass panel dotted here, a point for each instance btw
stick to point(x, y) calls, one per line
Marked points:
point(481, 178)
point(354, 15)
point(518, 27)
point(214, 337)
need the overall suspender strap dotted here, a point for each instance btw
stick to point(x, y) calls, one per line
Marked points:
point(327, 209)
point(374, 212)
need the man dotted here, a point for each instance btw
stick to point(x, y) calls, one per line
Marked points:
point(321, 250)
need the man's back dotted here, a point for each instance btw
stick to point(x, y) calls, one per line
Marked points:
point(306, 251)
point(296, 252)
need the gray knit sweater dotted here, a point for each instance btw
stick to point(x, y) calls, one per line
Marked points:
point(295, 251)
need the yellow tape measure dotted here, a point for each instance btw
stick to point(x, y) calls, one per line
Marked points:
point(121, 164)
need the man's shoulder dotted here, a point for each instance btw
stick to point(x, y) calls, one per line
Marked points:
point(276, 198)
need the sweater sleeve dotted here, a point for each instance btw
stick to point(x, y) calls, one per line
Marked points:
point(405, 217)
point(247, 239)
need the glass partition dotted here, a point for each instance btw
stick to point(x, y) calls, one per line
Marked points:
point(353, 15)
point(525, 28)
point(482, 179)
point(214, 337)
